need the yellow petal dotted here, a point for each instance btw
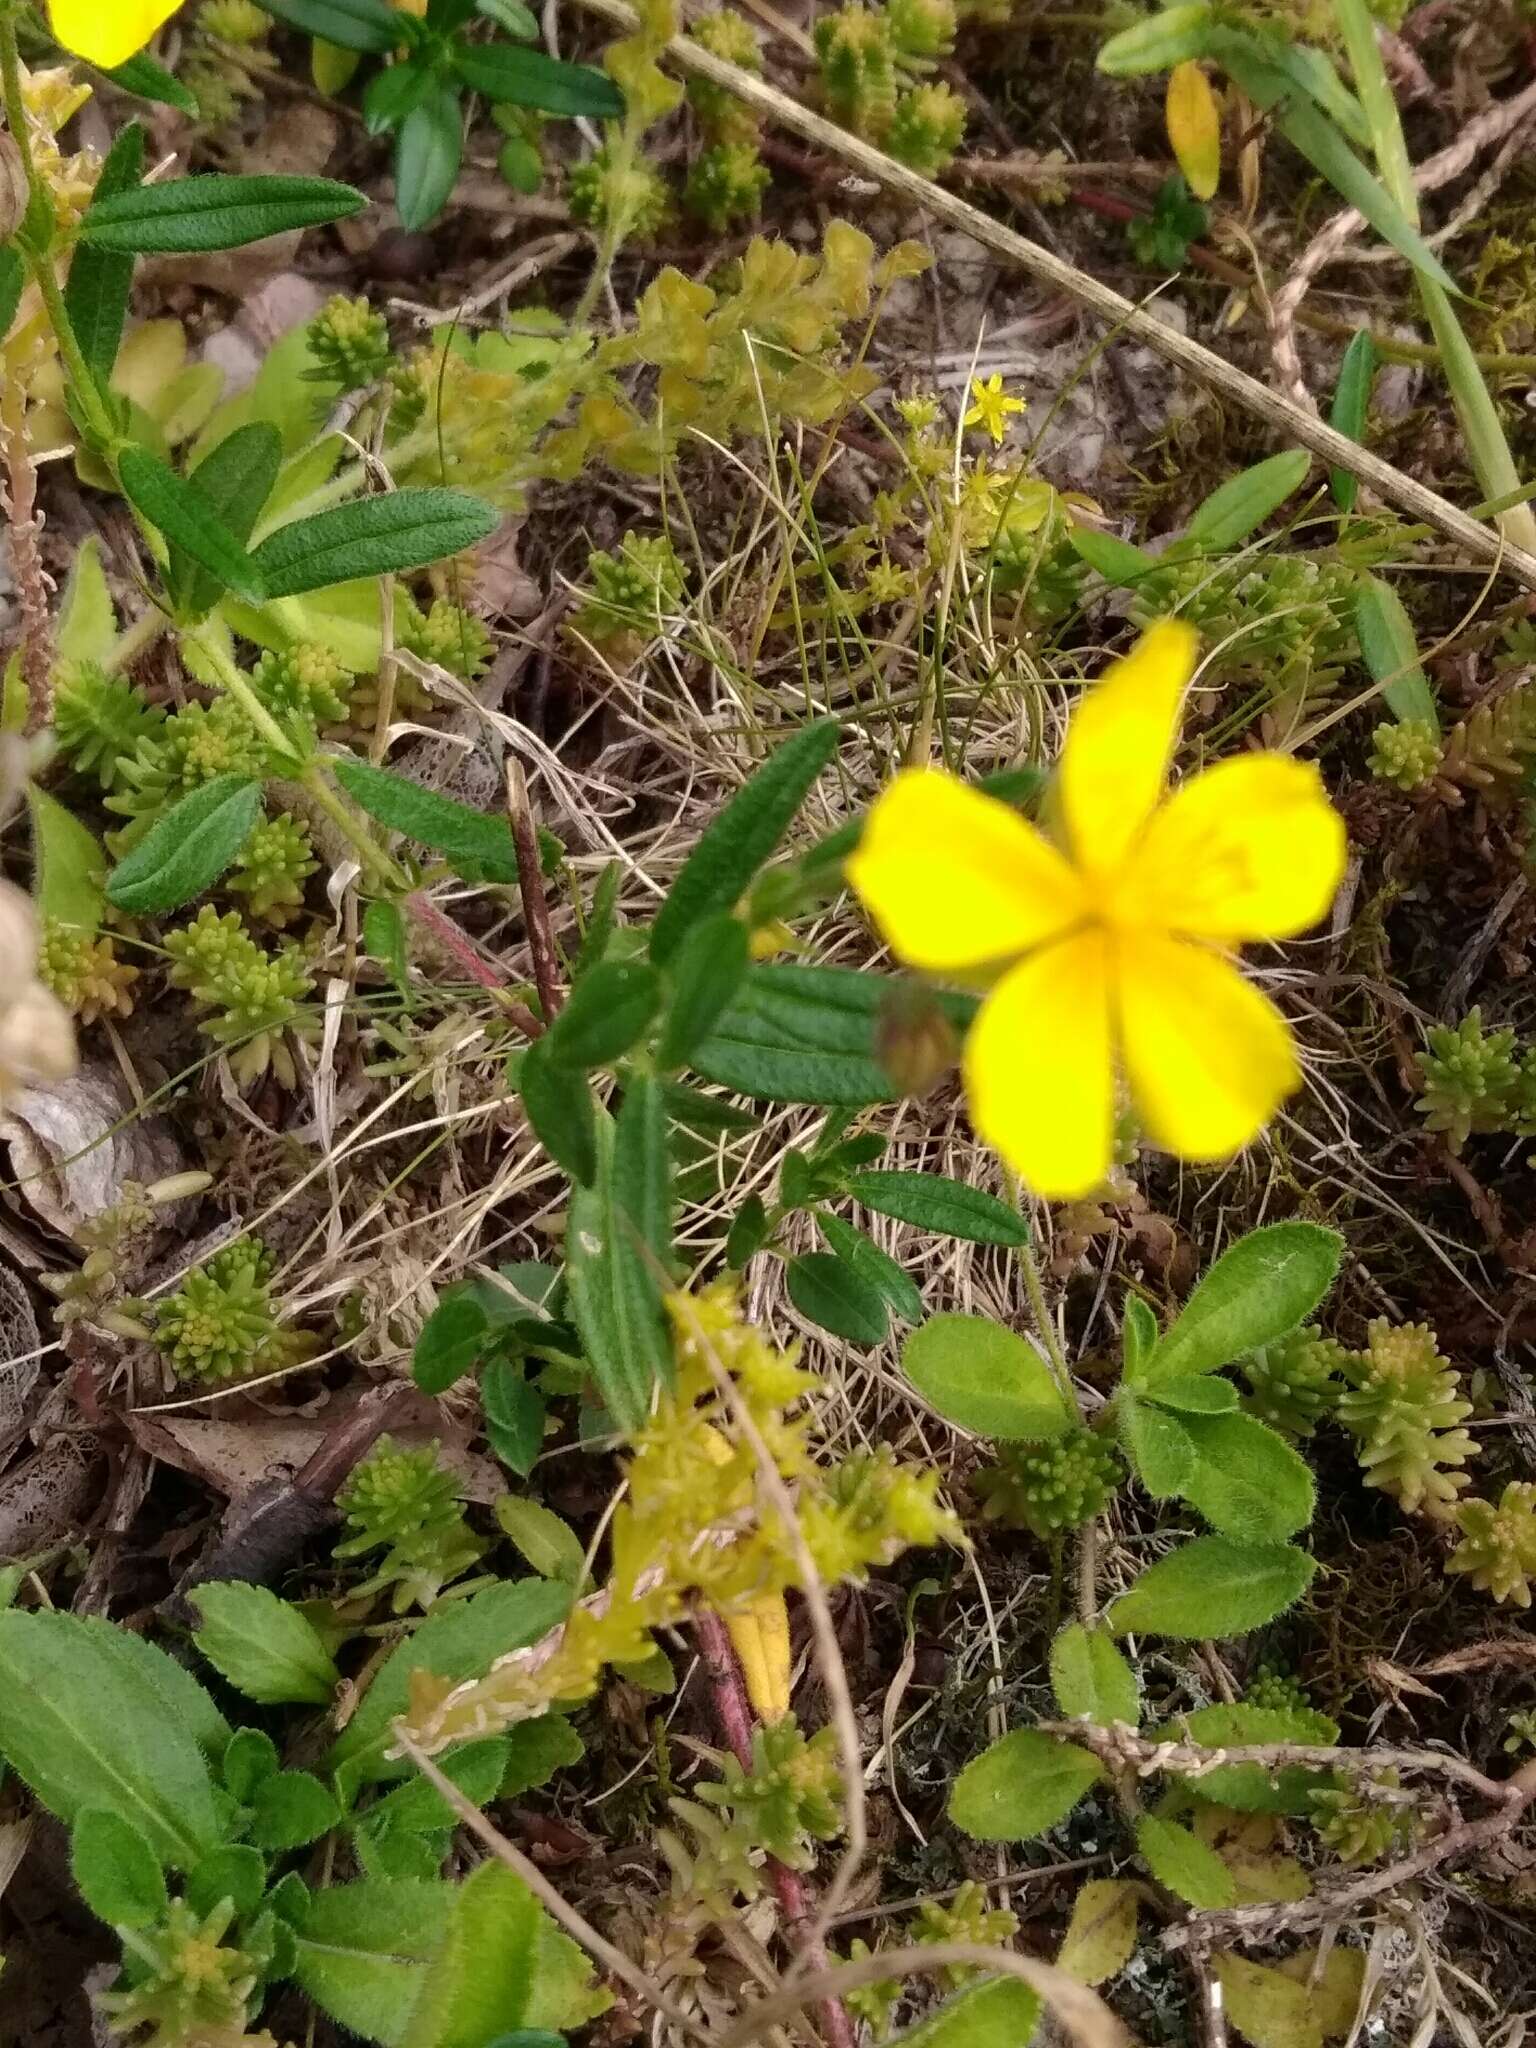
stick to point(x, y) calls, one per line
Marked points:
point(1119, 744)
point(1209, 1058)
point(955, 879)
point(108, 32)
point(1194, 128)
point(760, 1637)
point(1039, 1067)
point(1251, 849)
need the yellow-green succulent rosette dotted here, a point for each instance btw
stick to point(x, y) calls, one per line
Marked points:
point(1109, 951)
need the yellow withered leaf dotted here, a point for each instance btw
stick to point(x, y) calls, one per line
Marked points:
point(1194, 128)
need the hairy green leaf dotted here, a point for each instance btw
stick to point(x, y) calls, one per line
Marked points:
point(875, 1267)
point(607, 1012)
point(100, 281)
point(407, 529)
point(736, 843)
point(932, 1202)
point(115, 1870)
point(69, 861)
point(191, 216)
point(263, 1645)
point(469, 838)
point(985, 1378)
point(837, 1297)
point(1090, 1677)
point(1261, 1288)
point(176, 509)
point(1181, 1861)
point(1247, 1481)
point(1211, 1588)
point(185, 851)
point(1021, 1786)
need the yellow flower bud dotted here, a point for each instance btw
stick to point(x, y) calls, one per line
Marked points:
point(1194, 128)
point(760, 1637)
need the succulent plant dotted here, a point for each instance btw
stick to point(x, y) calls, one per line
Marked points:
point(1404, 1406)
point(405, 1503)
point(1498, 1543)
point(1295, 1384)
point(221, 1323)
point(1052, 1487)
point(1405, 752)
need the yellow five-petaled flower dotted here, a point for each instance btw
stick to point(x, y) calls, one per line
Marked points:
point(990, 407)
point(1110, 954)
point(108, 32)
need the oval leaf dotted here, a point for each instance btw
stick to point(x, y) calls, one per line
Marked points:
point(69, 862)
point(1390, 650)
point(1195, 1394)
point(1169, 37)
point(1212, 1588)
point(1090, 1677)
point(607, 1013)
point(186, 851)
point(1247, 1481)
point(737, 843)
point(1021, 1786)
point(932, 1202)
point(1182, 1862)
point(469, 838)
point(263, 1645)
point(1260, 1289)
point(428, 152)
point(527, 78)
point(407, 529)
point(832, 1294)
point(895, 1286)
point(115, 1871)
point(984, 1378)
point(1101, 1935)
point(1158, 1446)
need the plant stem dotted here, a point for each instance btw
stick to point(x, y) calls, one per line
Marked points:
point(133, 641)
point(530, 884)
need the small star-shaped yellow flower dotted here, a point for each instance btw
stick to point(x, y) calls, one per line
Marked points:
point(990, 407)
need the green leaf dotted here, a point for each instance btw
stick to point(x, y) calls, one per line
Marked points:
point(87, 616)
point(460, 1641)
point(408, 529)
point(87, 1728)
point(608, 1012)
point(291, 1810)
point(1000, 2013)
point(364, 1950)
point(527, 78)
point(1021, 1786)
point(748, 1232)
point(503, 1963)
point(372, 26)
point(418, 1808)
point(1242, 504)
point(1252, 1788)
point(188, 848)
point(736, 843)
point(1179, 1860)
point(1260, 1289)
point(234, 480)
point(615, 1291)
point(469, 838)
point(837, 1297)
point(451, 1342)
point(1090, 1677)
point(511, 15)
point(429, 150)
point(1171, 36)
point(1211, 1588)
point(1194, 1394)
point(1390, 650)
point(384, 940)
point(706, 973)
point(515, 1415)
point(873, 1266)
point(1139, 1336)
point(543, 1540)
point(234, 1872)
point(397, 91)
point(984, 1378)
point(807, 1034)
point(561, 1110)
point(536, 1750)
point(249, 1760)
point(13, 282)
point(69, 862)
point(100, 281)
point(1158, 1446)
point(115, 1870)
point(932, 1202)
point(1117, 561)
point(1247, 1480)
point(264, 1646)
point(191, 216)
point(169, 504)
point(144, 78)
point(1350, 411)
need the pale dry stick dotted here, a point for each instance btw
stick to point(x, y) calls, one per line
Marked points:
point(1080, 2012)
point(579, 1929)
point(1483, 543)
point(1333, 240)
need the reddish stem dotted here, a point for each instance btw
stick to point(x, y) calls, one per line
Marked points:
point(734, 1713)
point(455, 943)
